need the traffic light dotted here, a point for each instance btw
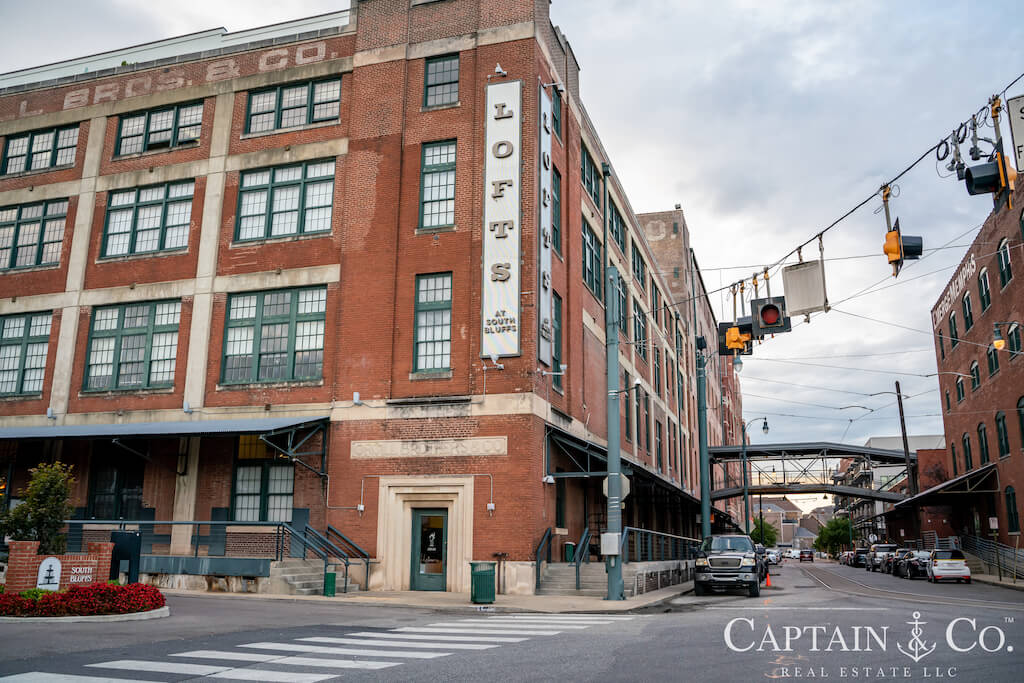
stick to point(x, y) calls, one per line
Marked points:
point(769, 316)
point(996, 177)
point(899, 248)
point(735, 338)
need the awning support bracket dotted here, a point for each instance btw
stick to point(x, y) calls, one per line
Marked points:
point(296, 440)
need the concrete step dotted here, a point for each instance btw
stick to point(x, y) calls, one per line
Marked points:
point(588, 592)
point(300, 575)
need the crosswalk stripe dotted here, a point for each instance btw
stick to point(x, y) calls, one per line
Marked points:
point(557, 620)
point(43, 677)
point(161, 667)
point(486, 626)
point(298, 647)
point(434, 645)
point(565, 617)
point(546, 622)
point(270, 676)
point(438, 638)
point(471, 631)
point(336, 663)
point(230, 656)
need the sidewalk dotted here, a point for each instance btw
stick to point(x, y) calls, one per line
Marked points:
point(993, 580)
point(437, 600)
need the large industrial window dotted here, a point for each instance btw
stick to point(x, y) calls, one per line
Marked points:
point(993, 360)
point(556, 345)
point(983, 291)
point(556, 210)
point(639, 420)
point(639, 329)
point(437, 185)
point(639, 267)
point(623, 308)
point(133, 346)
point(146, 219)
point(617, 226)
point(968, 312)
point(657, 444)
point(32, 234)
point(286, 200)
point(263, 487)
point(442, 81)
point(1002, 436)
point(24, 343)
point(591, 260)
point(1013, 343)
point(954, 336)
point(627, 386)
point(275, 336)
point(647, 420)
point(982, 443)
point(40, 149)
point(159, 129)
point(294, 104)
point(115, 489)
point(1012, 516)
point(591, 176)
point(433, 322)
point(657, 371)
point(1003, 256)
point(556, 111)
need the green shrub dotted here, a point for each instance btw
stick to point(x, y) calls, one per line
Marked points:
point(41, 516)
point(34, 593)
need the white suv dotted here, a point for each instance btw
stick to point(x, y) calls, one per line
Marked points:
point(948, 564)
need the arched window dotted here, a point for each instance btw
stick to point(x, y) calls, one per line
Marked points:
point(968, 465)
point(960, 392)
point(1003, 254)
point(993, 360)
point(968, 312)
point(1020, 419)
point(954, 336)
point(975, 376)
point(1013, 344)
point(1002, 436)
point(1012, 518)
point(982, 443)
point(983, 291)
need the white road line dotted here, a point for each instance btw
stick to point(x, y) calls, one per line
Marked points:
point(471, 631)
point(297, 647)
point(337, 663)
point(433, 645)
point(460, 639)
point(43, 677)
point(486, 626)
point(270, 676)
point(161, 667)
point(822, 609)
point(229, 656)
point(947, 600)
point(552, 622)
point(562, 617)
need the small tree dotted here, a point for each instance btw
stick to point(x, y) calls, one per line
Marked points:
point(834, 535)
point(764, 533)
point(41, 516)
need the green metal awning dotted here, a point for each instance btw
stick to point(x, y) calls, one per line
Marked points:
point(136, 430)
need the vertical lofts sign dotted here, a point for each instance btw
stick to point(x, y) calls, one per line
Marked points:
point(545, 332)
point(502, 214)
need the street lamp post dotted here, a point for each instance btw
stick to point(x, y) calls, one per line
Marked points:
point(743, 460)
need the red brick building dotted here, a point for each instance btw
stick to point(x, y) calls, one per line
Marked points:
point(344, 273)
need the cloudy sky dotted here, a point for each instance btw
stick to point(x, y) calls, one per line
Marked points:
point(766, 121)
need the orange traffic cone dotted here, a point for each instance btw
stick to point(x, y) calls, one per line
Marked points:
point(768, 578)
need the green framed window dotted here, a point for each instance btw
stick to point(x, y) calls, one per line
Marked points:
point(1002, 436)
point(942, 347)
point(1013, 343)
point(32, 234)
point(968, 311)
point(975, 376)
point(1012, 515)
point(591, 175)
point(293, 104)
point(275, 336)
point(285, 200)
point(954, 336)
point(437, 185)
point(556, 114)
point(556, 344)
point(657, 445)
point(159, 129)
point(623, 308)
point(133, 346)
point(968, 462)
point(982, 443)
point(441, 84)
point(639, 418)
point(40, 149)
point(639, 329)
point(24, 344)
point(960, 389)
point(263, 488)
point(639, 267)
point(617, 226)
point(983, 290)
point(115, 488)
point(1003, 257)
point(591, 260)
point(952, 452)
point(148, 219)
point(655, 302)
point(626, 386)
point(657, 371)
point(556, 210)
point(993, 360)
point(647, 420)
point(433, 322)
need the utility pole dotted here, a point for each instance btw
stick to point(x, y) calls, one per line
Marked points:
point(911, 479)
point(746, 485)
point(613, 563)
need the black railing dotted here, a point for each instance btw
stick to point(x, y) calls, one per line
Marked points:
point(644, 545)
point(352, 549)
point(543, 550)
point(582, 553)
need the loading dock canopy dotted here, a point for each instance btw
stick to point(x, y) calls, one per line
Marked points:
point(951, 492)
point(162, 429)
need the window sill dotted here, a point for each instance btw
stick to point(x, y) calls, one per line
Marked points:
point(260, 241)
point(141, 391)
point(134, 257)
point(417, 376)
point(10, 398)
point(38, 171)
point(420, 230)
point(246, 529)
point(150, 152)
point(29, 269)
point(438, 107)
point(291, 129)
point(280, 384)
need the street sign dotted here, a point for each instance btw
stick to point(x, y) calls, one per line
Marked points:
point(993, 523)
point(624, 487)
point(1015, 112)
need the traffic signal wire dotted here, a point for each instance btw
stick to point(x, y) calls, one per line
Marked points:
point(806, 386)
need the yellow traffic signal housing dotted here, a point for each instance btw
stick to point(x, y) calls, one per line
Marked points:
point(734, 339)
point(892, 247)
point(899, 247)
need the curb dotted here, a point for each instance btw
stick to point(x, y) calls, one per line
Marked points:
point(97, 618)
point(995, 582)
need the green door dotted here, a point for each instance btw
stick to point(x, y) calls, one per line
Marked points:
point(429, 550)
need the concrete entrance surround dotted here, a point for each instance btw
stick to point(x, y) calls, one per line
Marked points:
point(397, 498)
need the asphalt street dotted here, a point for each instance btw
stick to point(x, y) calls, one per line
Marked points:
point(816, 621)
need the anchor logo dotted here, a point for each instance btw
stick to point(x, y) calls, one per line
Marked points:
point(918, 648)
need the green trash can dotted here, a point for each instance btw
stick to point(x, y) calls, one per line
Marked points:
point(570, 551)
point(330, 579)
point(481, 591)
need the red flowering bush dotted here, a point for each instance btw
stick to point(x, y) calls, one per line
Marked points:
point(90, 599)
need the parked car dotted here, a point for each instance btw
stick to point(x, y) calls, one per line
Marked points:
point(727, 562)
point(948, 564)
point(877, 555)
point(889, 561)
point(913, 563)
point(772, 556)
point(807, 554)
point(859, 558)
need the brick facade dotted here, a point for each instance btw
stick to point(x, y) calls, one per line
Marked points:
point(23, 565)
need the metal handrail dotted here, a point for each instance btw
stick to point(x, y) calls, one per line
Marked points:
point(353, 547)
point(545, 543)
point(330, 549)
point(582, 551)
point(1007, 559)
point(670, 546)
